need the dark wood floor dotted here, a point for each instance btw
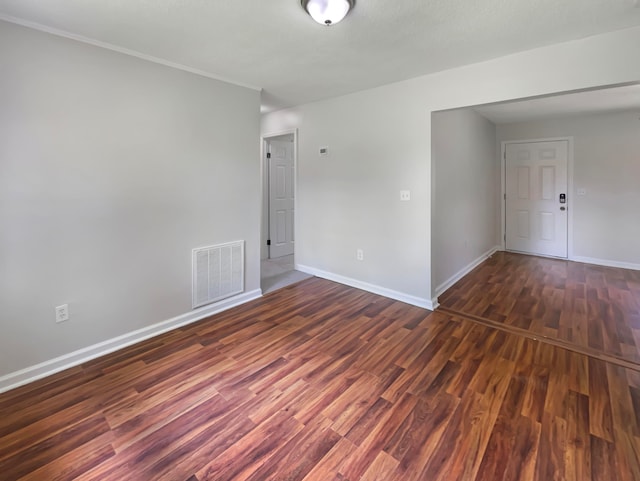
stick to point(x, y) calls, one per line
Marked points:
point(590, 307)
point(322, 382)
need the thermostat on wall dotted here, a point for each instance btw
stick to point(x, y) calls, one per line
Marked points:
point(324, 151)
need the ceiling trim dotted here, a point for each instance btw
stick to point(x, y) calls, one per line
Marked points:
point(125, 51)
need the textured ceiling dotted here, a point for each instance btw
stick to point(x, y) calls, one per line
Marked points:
point(276, 46)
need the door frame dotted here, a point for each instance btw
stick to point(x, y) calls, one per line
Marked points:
point(264, 175)
point(570, 192)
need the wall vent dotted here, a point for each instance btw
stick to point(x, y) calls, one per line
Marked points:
point(218, 272)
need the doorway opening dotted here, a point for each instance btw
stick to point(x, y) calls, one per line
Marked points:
point(279, 161)
point(545, 177)
point(468, 209)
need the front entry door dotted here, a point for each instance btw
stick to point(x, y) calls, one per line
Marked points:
point(536, 198)
point(281, 198)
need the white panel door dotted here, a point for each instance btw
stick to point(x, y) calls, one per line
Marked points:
point(281, 198)
point(536, 201)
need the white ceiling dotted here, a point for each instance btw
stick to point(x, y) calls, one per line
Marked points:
point(276, 46)
point(587, 102)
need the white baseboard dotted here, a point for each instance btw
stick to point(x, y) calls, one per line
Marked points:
point(44, 369)
point(434, 304)
point(381, 291)
point(606, 263)
point(465, 270)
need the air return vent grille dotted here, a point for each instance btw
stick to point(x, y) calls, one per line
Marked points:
point(218, 272)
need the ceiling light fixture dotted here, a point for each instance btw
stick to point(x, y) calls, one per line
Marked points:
point(328, 12)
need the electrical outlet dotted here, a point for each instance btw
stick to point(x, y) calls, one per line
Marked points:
point(360, 254)
point(405, 195)
point(62, 313)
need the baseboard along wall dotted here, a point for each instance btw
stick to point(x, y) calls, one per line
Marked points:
point(606, 263)
point(365, 286)
point(47, 368)
point(465, 270)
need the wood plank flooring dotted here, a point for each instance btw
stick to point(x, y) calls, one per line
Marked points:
point(590, 307)
point(322, 382)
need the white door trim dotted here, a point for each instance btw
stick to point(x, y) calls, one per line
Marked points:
point(570, 193)
point(264, 174)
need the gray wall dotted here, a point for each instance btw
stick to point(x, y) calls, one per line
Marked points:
point(606, 221)
point(466, 185)
point(111, 170)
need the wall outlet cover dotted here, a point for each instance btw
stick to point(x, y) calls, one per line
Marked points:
point(62, 313)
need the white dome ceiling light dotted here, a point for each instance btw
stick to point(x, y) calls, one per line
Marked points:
point(328, 12)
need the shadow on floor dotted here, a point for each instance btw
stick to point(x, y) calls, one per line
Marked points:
point(278, 273)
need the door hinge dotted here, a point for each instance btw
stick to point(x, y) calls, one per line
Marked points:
point(505, 154)
point(268, 242)
point(268, 155)
point(505, 237)
point(505, 196)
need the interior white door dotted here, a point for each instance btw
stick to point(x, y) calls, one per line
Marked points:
point(281, 197)
point(536, 197)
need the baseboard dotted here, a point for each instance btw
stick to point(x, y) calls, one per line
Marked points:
point(606, 263)
point(44, 369)
point(381, 291)
point(465, 270)
point(434, 303)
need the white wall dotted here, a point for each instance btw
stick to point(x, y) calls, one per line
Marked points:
point(111, 170)
point(466, 180)
point(380, 142)
point(606, 221)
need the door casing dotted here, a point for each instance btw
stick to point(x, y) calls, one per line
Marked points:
point(264, 168)
point(281, 197)
point(570, 190)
